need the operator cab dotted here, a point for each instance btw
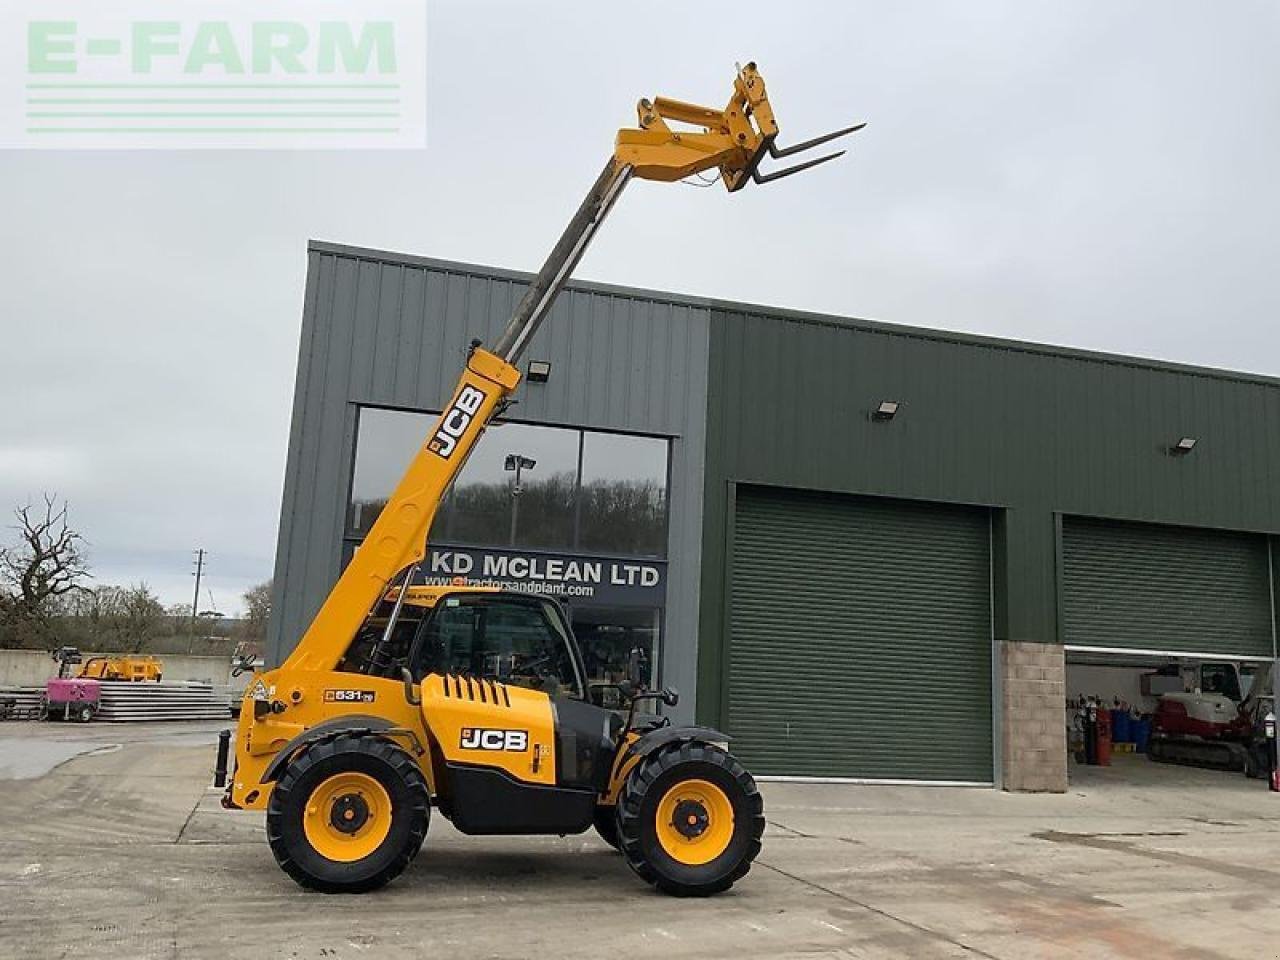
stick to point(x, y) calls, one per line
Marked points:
point(508, 637)
point(487, 634)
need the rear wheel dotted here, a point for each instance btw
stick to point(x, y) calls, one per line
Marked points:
point(690, 820)
point(348, 814)
point(84, 713)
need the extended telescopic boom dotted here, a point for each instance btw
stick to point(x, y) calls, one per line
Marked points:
point(733, 141)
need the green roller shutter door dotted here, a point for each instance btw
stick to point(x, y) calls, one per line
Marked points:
point(1152, 587)
point(861, 638)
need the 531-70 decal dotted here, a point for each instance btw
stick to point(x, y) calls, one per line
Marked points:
point(350, 696)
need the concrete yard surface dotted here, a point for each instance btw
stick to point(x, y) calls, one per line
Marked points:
point(119, 849)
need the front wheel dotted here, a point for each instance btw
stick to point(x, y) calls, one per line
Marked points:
point(690, 819)
point(348, 814)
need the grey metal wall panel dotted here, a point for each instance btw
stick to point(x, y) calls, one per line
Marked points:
point(1154, 587)
point(1034, 431)
point(763, 395)
point(393, 330)
point(861, 638)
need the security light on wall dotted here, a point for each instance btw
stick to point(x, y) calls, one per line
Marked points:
point(887, 410)
point(1184, 446)
point(539, 371)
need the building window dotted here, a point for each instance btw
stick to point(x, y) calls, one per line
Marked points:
point(623, 495)
point(611, 639)
point(587, 491)
point(486, 508)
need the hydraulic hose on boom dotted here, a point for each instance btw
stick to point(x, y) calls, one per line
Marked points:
point(733, 141)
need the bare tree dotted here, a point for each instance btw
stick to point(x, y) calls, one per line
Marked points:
point(257, 603)
point(47, 564)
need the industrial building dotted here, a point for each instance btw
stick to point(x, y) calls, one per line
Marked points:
point(864, 551)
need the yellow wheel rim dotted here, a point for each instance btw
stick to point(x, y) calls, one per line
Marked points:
point(347, 817)
point(695, 822)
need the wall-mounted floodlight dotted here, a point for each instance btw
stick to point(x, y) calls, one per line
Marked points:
point(1184, 446)
point(887, 410)
point(539, 371)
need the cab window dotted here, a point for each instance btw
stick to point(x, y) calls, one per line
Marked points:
point(1220, 678)
point(520, 642)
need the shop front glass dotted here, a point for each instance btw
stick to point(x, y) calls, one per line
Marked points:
point(586, 524)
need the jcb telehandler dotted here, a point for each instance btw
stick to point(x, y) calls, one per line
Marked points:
point(400, 697)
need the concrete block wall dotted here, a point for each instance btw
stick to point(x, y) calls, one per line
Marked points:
point(31, 668)
point(1035, 744)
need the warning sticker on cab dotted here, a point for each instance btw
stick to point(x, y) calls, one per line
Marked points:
point(350, 696)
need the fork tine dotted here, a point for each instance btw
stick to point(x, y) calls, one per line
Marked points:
point(763, 178)
point(779, 153)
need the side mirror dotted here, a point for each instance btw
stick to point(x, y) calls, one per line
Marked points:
point(409, 693)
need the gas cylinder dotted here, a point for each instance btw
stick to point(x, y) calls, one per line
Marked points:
point(1103, 736)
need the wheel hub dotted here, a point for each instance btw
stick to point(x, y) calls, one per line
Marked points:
point(347, 816)
point(349, 813)
point(691, 819)
point(695, 821)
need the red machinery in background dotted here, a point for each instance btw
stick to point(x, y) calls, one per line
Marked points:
point(1216, 724)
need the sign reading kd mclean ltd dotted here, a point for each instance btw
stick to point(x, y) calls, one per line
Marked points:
point(570, 577)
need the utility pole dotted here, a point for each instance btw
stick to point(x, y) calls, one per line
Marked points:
point(195, 600)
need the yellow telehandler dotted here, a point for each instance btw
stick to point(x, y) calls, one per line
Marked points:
point(401, 697)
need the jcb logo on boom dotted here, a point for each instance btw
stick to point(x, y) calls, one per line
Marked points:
point(455, 421)
point(478, 738)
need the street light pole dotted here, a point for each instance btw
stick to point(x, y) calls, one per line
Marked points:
point(516, 463)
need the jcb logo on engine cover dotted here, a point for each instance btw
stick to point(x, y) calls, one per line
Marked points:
point(478, 738)
point(455, 421)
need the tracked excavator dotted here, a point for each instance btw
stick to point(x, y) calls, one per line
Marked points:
point(401, 699)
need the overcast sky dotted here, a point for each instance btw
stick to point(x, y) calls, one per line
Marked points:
point(1097, 174)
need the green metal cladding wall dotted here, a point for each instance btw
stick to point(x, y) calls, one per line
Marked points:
point(1033, 431)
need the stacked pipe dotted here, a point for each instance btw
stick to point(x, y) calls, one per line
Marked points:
point(20, 703)
point(126, 702)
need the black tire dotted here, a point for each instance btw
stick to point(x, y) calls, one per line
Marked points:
point(396, 772)
point(606, 821)
point(638, 809)
point(84, 713)
point(42, 713)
